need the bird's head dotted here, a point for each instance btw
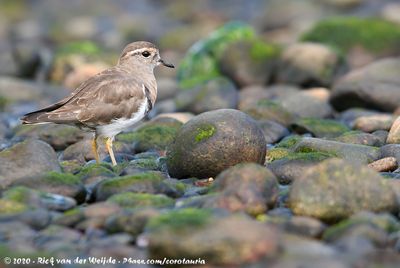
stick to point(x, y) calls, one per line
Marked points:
point(142, 54)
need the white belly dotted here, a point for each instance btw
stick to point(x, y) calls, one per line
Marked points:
point(119, 125)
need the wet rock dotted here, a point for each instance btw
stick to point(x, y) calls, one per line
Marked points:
point(269, 110)
point(374, 86)
point(374, 122)
point(28, 158)
point(384, 164)
point(58, 136)
point(370, 226)
point(391, 150)
point(394, 133)
point(273, 131)
point(358, 137)
point(304, 104)
point(352, 188)
point(140, 200)
point(305, 248)
point(150, 182)
point(320, 128)
point(349, 116)
point(130, 222)
point(300, 225)
point(57, 183)
point(34, 198)
point(309, 64)
point(71, 166)
point(217, 93)
point(214, 141)
point(361, 39)
point(95, 173)
point(288, 166)
point(245, 187)
point(200, 63)
point(249, 62)
point(254, 241)
point(154, 135)
point(249, 96)
point(82, 151)
point(354, 153)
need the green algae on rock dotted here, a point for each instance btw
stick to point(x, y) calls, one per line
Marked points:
point(200, 63)
point(152, 182)
point(180, 220)
point(152, 135)
point(213, 141)
point(141, 200)
point(354, 153)
point(178, 234)
point(250, 61)
point(344, 33)
point(320, 128)
point(334, 190)
point(247, 187)
point(266, 109)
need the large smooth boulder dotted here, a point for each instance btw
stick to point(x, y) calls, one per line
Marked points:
point(213, 141)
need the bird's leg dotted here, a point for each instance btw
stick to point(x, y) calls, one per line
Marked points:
point(109, 142)
point(94, 149)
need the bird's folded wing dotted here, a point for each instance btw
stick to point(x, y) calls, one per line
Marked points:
point(106, 98)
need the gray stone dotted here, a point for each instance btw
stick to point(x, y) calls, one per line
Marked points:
point(374, 86)
point(28, 158)
point(334, 190)
point(213, 141)
point(354, 153)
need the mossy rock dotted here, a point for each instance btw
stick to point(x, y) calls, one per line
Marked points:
point(57, 183)
point(359, 137)
point(383, 221)
point(145, 163)
point(9, 207)
point(277, 153)
point(293, 165)
point(354, 153)
point(200, 64)
point(180, 220)
point(134, 200)
point(71, 166)
point(95, 170)
point(320, 128)
point(289, 142)
point(151, 182)
point(71, 55)
point(152, 135)
point(334, 190)
point(375, 35)
point(58, 136)
point(213, 141)
point(216, 93)
point(249, 62)
point(270, 110)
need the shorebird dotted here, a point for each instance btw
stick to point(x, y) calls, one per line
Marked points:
point(111, 101)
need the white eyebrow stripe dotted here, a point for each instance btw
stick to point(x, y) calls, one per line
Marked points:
point(140, 50)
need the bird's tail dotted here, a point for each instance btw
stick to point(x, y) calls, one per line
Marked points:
point(34, 118)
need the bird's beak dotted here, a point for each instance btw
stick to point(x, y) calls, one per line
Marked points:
point(169, 65)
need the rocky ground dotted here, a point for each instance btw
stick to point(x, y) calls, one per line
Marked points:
point(275, 143)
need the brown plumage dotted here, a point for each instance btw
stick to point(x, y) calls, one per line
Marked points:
point(110, 101)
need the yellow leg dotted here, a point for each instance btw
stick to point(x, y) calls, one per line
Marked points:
point(94, 149)
point(109, 142)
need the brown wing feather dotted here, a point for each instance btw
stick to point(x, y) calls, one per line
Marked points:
point(105, 97)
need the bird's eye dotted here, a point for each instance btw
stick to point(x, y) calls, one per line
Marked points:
point(145, 54)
